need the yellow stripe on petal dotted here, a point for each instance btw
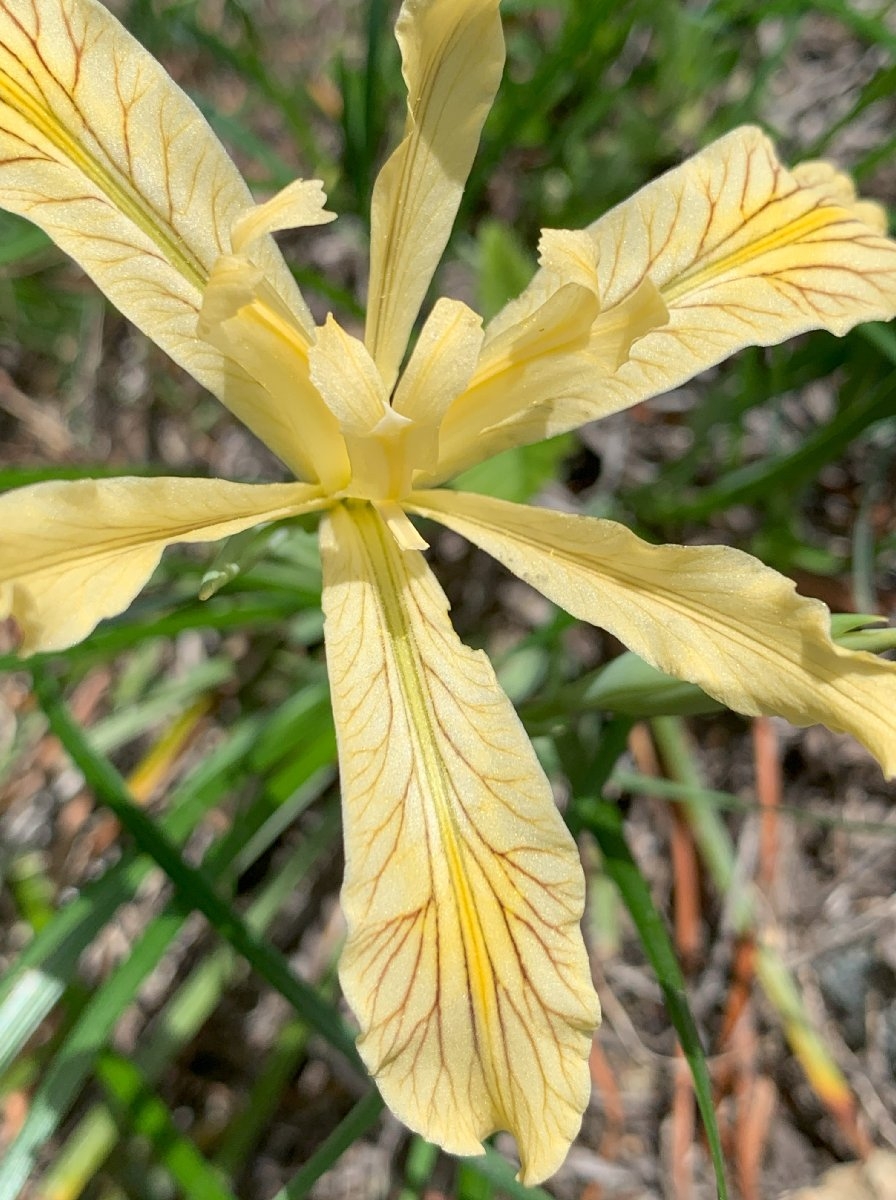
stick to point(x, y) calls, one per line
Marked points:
point(463, 891)
point(727, 250)
point(74, 552)
point(104, 152)
point(554, 336)
point(452, 55)
point(711, 615)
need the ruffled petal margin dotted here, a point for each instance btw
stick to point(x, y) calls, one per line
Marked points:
point(728, 250)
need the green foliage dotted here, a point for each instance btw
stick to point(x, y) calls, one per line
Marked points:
point(517, 474)
point(504, 266)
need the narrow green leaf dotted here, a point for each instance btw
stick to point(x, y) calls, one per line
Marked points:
point(145, 620)
point(65, 1074)
point(471, 1184)
point(167, 696)
point(96, 1134)
point(604, 821)
point(673, 789)
point(495, 1168)
point(139, 1109)
point(782, 474)
point(718, 852)
point(362, 1117)
point(191, 884)
point(419, 1165)
point(38, 978)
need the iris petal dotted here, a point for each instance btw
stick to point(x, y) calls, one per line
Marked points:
point(452, 56)
point(463, 890)
point(709, 614)
point(76, 551)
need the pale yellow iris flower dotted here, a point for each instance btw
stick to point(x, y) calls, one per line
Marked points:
point(464, 963)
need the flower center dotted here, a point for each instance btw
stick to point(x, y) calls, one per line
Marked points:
point(384, 458)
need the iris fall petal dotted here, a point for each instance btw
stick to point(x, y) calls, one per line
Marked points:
point(709, 614)
point(75, 551)
point(463, 891)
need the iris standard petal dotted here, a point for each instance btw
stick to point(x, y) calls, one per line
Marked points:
point(709, 614)
point(452, 56)
point(444, 358)
point(463, 890)
point(73, 552)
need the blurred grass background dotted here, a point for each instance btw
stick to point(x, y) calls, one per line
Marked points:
point(170, 1021)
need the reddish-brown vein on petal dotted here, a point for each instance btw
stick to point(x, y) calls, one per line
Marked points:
point(447, 812)
point(452, 56)
point(742, 234)
point(711, 615)
point(73, 552)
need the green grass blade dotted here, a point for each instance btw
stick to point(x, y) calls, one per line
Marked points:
point(72, 1061)
point(604, 821)
point(674, 789)
point(167, 696)
point(191, 885)
point(419, 1164)
point(870, 26)
point(37, 980)
point(278, 1069)
point(139, 1109)
point(361, 1118)
point(96, 1134)
point(770, 475)
point(471, 1185)
point(75, 1059)
point(145, 621)
point(495, 1168)
point(776, 979)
